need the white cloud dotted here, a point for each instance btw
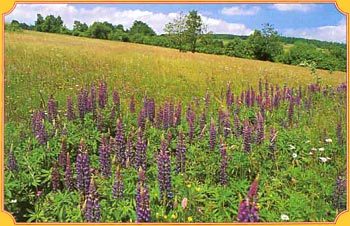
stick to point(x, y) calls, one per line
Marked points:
point(294, 7)
point(240, 10)
point(334, 33)
point(156, 20)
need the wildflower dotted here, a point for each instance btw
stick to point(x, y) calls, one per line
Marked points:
point(339, 133)
point(184, 203)
point(55, 178)
point(118, 186)
point(39, 127)
point(248, 211)
point(324, 159)
point(294, 155)
point(63, 154)
point(328, 140)
point(120, 143)
point(339, 195)
point(13, 201)
point(116, 100)
point(68, 180)
point(260, 128)
point(141, 120)
point(180, 154)
point(189, 219)
point(307, 142)
point(92, 209)
point(11, 161)
point(284, 217)
point(102, 94)
point(321, 149)
point(52, 109)
point(247, 136)
point(104, 158)
point(143, 211)
point(164, 171)
point(83, 168)
point(140, 155)
point(313, 149)
point(173, 216)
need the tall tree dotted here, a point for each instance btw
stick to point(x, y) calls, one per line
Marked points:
point(176, 31)
point(194, 29)
point(141, 28)
point(39, 22)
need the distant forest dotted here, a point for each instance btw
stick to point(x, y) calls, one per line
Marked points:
point(189, 33)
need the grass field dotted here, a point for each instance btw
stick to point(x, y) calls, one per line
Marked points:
point(283, 140)
point(59, 65)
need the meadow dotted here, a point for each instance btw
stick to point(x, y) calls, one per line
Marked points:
point(169, 136)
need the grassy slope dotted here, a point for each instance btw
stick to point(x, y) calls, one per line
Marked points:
point(58, 64)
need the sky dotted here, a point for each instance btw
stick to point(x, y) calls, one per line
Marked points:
point(313, 21)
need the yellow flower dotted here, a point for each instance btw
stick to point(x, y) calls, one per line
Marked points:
point(189, 219)
point(165, 216)
point(198, 189)
point(157, 215)
point(188, 185)
point(173, 216)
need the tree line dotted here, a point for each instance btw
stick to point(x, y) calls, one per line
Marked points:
point(188, 32)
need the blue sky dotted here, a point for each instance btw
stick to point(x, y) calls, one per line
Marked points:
point(317, 21)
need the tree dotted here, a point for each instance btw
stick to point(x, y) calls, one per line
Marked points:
point(194, 29)
point(237, 48)
point(141, 28)
point(99, 30)
point(79, 28)
point(265, 44)
point(39, 22)
point(176, 31)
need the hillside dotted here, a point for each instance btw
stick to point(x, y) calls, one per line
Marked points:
point(63, 63)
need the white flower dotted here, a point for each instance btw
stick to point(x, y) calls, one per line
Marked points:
point(313, 149)
point(321, 149)
point(284, 217)
point(291, 147)
point(324, 159)
point(13, 201)
point(308, 141)
point(294, 155)
point(311, 153)
point(329, 140)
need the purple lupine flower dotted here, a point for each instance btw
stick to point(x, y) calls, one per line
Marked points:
point(143, 210)
point(178, 112)
point(339, 195)
point(223, 166)
point(166, 118)
point(226, 124)
point(237, 125)
point(247, 136)
point(151, 110)
point(70, 109)
point(248, 211)
point(82, 103)
point(63, 154)
point(159, 119)
point(11, 161)
point(132, 104)
point(92, 99)
point(102, 94)
point(120, 143)
point(55, 177)
point(140, 155)
point(164, 171)
point(116, 100)
point(118, 186)
point(52, 109)
point(105, 158)
point(260, 128)
point(212, 135)
point(339, 133)
point(39, 127)
point(83, 168)
point(129, 152)
point(180, 154)
point(68, 178)
point(171, 113)
point(229, 100)
point(92, 212)
point(141, 120)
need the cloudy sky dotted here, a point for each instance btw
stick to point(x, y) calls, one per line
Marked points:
point(315, 21)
